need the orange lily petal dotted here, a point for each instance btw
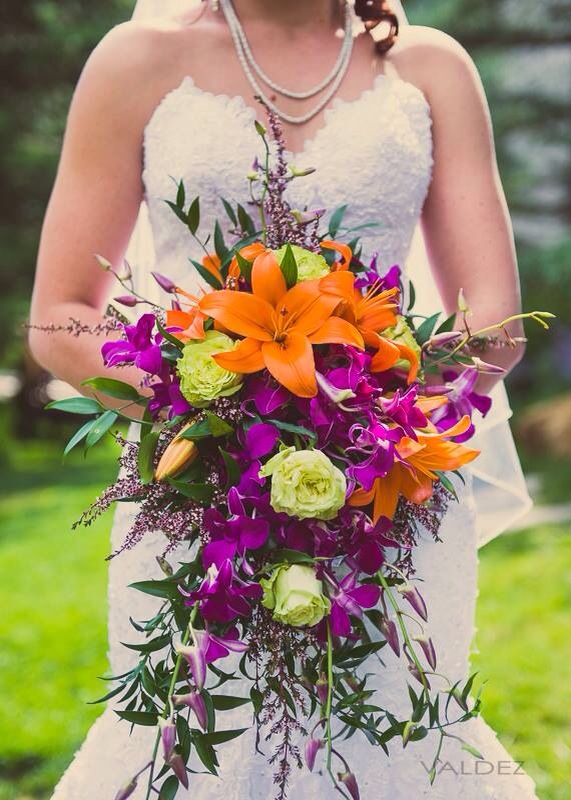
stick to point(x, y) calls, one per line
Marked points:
point(304, 308)
point(386, 356)
point(408, 354)
point(428, 404)
point(344, 251)
point(268, 280)
point(191, 323)
point(241, 313)
point(340, 284)
point(337, 331)
point(292, 364)
point(245, 358)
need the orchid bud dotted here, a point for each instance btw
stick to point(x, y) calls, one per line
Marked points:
point(126, 300)
point(443, 339)
point(126, 273)
point(196, 662)
point(350, 782)
point(489, 369)
point(168, 737)
point(420, 677)
point(427, 648)
point(352, 683)
point(462, 304)
point(195, 701)
point(103, 263)
point(179, 455)
point(302, 172)
point(335, 395)
point(322, 689)
point(312, 747)
point(389, 630)
point(176, 763)
point(409, 729)
point(457, 695)
point(127, 790)
point(164, 282)
point(165, 566)
point(410, 593)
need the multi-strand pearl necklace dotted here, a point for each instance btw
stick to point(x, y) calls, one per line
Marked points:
point(254, 73)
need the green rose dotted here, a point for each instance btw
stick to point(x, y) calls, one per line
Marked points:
point(305, 484)
point(202, 380)
point(295, 595)
point(309, 265)
point(402, 333)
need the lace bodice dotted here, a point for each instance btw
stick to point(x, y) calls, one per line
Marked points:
point(374, 152)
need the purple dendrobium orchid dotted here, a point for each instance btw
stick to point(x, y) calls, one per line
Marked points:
point(209, 648)
point(378, 451)
point(223, 596)
point(234, 535)
point(167, 394)
point(261, 438)
point(140, 348)
point(266, 394)
point(462, 400)
point(390, 280)
point(401, 409)
point(351, 597)
point(366, 543)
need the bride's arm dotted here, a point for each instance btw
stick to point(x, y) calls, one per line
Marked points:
point(93, 207)
point(466, 223)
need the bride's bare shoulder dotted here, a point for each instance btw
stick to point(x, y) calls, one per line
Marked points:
point(430, 58)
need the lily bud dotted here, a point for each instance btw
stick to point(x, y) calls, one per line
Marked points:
point(164, 282)
point(126, 300)
point(127, 790)
point(176, 763)
point(427, 648)
point(322, 688)
point(351, 785)
point(410, 593)
point(312, 747)
point(179, 455)
point(196, 662)
point(168, 737)
point(195, 701)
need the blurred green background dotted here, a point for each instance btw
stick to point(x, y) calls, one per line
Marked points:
point(52, 590)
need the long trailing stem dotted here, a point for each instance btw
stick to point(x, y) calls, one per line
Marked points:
point(168, 705)
point(329, 703)
point(384, 583)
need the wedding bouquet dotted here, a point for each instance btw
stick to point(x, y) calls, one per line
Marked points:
point(292, 448)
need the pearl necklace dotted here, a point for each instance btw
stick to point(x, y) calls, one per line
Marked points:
point(252, 68)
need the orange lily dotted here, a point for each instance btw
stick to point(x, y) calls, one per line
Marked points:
point(279, 325)
point(372, 313)
point(344, 251)
point(191, 322)
point(414, 475)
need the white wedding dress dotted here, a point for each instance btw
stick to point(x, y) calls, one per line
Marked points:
point(374, 153)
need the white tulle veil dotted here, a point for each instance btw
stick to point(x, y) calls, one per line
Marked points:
point(499, 486)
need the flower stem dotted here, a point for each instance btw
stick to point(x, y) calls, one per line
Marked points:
point(329, 699)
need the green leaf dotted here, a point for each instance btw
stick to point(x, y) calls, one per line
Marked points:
point(146, 455)
point(169, 337)
point(447, 325)
point(113, 693)
point(169, 788)
point(219, 243)
point(223, 702)
point(210, 279)
point(219, 737)
point(472, 750)
point(229, 211)
point(205, 751)
point(245, 266)
point(100, 428)
point(176, 210)
point(411, 296)
point(425, 330)
point(299, 429)
point(147, 718)
point(202, 492)
point(217, 425)
point(152, 646)
point(336, 220)
point(245, 220)
point(232, 469)
point(447, 483)
point(291, 557)
point(181, 195)
point(289, 267)
point(193, 216)
point(113, 388)
point(76, 405)
point(165, 589)
point(79, 436)
point(210, 425)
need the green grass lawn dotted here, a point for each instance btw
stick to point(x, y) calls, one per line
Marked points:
point(53, 628)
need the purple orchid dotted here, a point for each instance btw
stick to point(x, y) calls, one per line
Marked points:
point(237, 534)
point(462, 400)
point(266, 394)
point(140, 347)
point(207, 649)
point(366, 543)
point(167, 394)
point(401, 409)
point(223, 596)
point(350, 597)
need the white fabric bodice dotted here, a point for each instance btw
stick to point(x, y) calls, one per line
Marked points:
point(373, 153)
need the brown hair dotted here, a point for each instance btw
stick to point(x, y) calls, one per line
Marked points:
point(373, 12)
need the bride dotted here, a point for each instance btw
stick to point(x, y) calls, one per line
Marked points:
point(398, 127)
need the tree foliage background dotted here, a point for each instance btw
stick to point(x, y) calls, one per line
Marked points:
point(521, 47)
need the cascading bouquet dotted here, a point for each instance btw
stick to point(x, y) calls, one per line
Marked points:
point(291, 451)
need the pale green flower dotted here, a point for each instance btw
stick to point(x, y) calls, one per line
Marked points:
point(202, 380)
point(402, 333)
point(305, 484)
point(309, 265)
point(295, 595)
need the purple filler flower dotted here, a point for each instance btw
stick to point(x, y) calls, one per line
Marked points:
point(139, 348)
